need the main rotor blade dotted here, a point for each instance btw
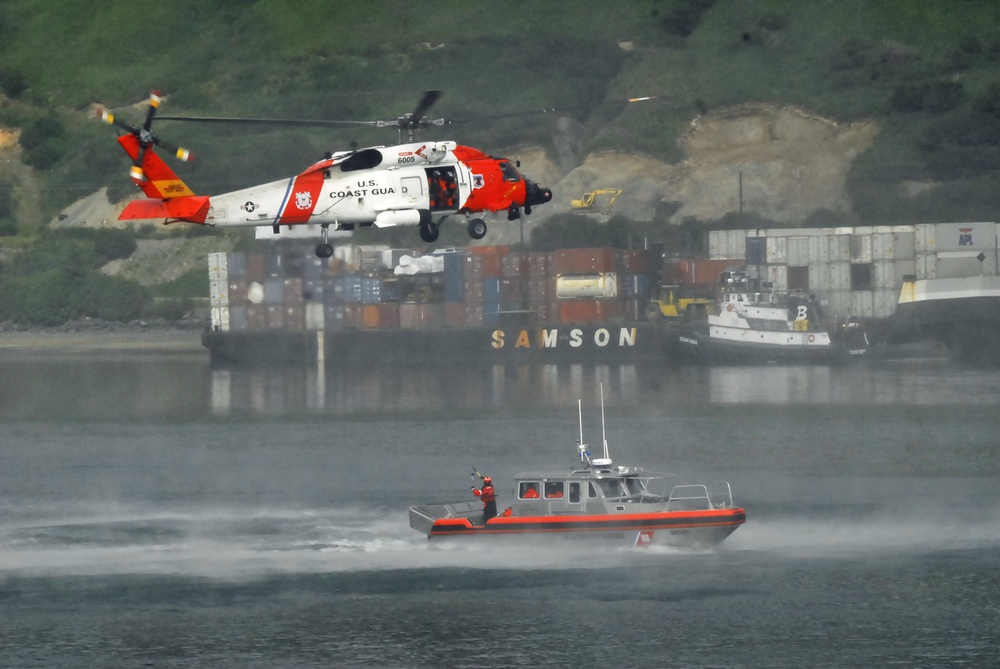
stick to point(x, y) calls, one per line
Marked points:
point(426, 102)
point(551, 110)
point(289, 122)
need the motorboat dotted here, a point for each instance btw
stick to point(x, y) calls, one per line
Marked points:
point(755, 325)
point(595, 500)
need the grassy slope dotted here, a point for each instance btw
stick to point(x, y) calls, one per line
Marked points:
point(359, 61)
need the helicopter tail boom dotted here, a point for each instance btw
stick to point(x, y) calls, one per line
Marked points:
point(192, 208)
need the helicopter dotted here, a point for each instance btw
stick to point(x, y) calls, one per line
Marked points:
point(410, 184)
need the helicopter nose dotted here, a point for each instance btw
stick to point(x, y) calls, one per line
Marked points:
point(535, 194)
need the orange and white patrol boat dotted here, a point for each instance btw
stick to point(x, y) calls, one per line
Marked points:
point(597, 500)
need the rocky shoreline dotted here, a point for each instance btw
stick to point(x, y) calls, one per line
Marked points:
point(92, 335)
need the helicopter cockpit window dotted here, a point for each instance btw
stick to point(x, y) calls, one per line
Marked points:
point(510, 175)
point(362, 160)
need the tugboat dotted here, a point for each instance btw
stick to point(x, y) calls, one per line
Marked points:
point(755, 326)
point(595, 501)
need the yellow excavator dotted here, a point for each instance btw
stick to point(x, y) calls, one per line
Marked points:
point(590, 201)
point(672, 302)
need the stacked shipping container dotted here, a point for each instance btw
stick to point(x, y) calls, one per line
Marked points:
point(858, 272)
point(488, 286)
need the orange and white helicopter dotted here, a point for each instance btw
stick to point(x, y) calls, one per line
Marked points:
point(411, 184)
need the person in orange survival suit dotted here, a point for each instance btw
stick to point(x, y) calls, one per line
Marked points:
point(489, 498)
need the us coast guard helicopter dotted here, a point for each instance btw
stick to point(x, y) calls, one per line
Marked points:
point(412, 184)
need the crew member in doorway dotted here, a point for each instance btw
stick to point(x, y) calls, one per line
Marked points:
point(489, 498)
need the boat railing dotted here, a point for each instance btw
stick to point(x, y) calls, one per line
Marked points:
point(698, 497)
point(720, 494)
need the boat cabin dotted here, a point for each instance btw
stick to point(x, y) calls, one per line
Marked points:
point(584, 491)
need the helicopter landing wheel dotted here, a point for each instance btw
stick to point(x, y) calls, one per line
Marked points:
point(477, 228)
point(429, 233)
point(324, 250)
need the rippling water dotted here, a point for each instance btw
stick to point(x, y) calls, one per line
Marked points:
point(156, 512)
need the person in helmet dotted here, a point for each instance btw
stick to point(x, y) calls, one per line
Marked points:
point(489, 498)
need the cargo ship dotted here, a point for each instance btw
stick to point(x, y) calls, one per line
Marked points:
point(486, 304)
point(497, 304)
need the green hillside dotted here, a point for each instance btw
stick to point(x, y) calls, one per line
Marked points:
point(927, 69)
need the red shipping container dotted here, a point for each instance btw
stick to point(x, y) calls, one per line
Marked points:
point(388, 315)
point(583, 261)
point(634, 261)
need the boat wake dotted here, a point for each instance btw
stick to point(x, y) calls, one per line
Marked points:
point(237, 545)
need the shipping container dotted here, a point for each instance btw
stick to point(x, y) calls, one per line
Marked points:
point(584, 261)
point(218, 266)
point(274, 291)
point(965, 236)
point(798, 251)
point(862, 304)
point(293, 290)
point(603, 284)
point(538, 264)
point(819, 249)
point(926, 265)
point(840, 247)
point(924, 240)
point(861, 248)
point(255, 267)
point(634, 261)
point(884, 302)
point(295, 317)
point(819, 276)
point(315, 316)
point(275, 315)
point(238, 320)
point(218, 292)
point(220, 318)
point(777, 250)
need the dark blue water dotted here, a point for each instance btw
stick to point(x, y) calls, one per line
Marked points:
point(154, 512)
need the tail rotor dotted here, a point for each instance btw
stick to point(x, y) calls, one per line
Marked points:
point(145, 137)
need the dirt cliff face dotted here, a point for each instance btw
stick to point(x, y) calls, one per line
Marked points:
point(791, 164)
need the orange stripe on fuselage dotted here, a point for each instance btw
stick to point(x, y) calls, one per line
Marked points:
point(301, 198)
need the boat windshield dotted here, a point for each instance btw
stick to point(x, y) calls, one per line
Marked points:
point(611, 487)
point(635, 486)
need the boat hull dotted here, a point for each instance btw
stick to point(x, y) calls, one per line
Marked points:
point(701, 347)
point(696, 529)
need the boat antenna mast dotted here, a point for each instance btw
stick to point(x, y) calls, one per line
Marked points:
point(582, 447)
point(606, 460)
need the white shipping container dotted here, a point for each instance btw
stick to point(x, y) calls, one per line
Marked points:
point(837, 304)
point(220, 319)
point(965, 236)
point(904, 242)
point(798, 251)
point(819, 250)
point(958, 264)
point(862, 304)
point(819, 276)
point(777, 250)
point(885, 300)
point(840, 247)
point(924, 239)
point(717, 247)
point(736, 244)
point(315, 316)
point(889, 273)
point(218, 292)
point(861, 248)
point(218, 267)
point(840, 275)
point(926, 265)
point(777, 275)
